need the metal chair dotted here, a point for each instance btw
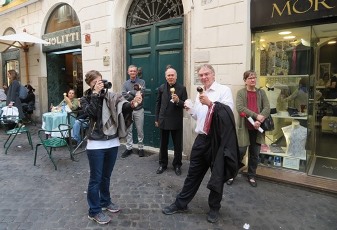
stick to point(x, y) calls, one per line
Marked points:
point(84, 124)
point(19, 128)
point(52, 142)
point(84, 137)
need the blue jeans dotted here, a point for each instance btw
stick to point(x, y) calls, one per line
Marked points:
point(101, 163)
point(80, 123)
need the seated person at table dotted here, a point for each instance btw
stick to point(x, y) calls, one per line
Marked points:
point(70, 100)
point(28, 104)
point(81, 122)
point(8, 114)
point(3, 98)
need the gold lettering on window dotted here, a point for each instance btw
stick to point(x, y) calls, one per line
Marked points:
point(275, 7)
point(292, 8)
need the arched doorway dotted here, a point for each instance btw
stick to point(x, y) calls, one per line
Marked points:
point(154, 40)
point(64, 56)
point(10, 58)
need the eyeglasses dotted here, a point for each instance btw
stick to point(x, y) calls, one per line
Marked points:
point(204, 74)
point(251, 78)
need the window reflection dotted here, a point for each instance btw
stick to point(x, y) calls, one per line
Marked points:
point(63, 17)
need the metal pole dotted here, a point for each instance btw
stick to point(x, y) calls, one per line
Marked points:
point(26, 49)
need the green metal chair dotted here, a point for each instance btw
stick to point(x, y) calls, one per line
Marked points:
point(12, 133)
point(51, 142)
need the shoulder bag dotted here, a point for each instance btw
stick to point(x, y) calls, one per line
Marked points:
point(268, 124)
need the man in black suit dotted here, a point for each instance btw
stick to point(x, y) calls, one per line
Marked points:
point(169, 118)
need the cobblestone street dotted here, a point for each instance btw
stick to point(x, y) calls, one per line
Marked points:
point(38, 197)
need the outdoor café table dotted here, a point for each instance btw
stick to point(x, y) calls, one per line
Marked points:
point(51, 121)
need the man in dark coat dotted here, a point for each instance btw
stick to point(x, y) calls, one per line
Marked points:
point(169, 119)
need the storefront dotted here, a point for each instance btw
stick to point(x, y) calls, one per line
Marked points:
point(294, 54)
point(63, 54)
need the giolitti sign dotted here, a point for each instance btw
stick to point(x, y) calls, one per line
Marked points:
point(62, 39)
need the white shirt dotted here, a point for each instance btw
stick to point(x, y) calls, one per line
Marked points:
point(272, 96)
point(9, 111)
point(216, 92)
point(103, 144)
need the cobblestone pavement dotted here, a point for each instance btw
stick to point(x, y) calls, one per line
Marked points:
point(38, 197)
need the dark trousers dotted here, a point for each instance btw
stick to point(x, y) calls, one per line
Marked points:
point(199, 164)
point(253, 153)
point(177, 138)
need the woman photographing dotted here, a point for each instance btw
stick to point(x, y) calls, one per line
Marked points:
point(110, 115)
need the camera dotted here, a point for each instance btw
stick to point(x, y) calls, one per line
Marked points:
point(107, 84)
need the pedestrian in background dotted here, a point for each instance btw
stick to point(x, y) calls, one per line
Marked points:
point(13, 91)
point(3, 98)
point(131, 88)
point(249, 100)
point(109, 114)
point(169, 119)
point(28, 104)
point(215, 126)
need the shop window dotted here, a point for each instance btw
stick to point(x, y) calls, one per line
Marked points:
point(285, 52)
point(62, 17)
point(284, 62)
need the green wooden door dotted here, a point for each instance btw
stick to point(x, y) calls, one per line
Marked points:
point(56, 73)
point(154, 47)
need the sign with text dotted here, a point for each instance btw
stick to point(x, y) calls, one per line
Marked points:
point(266, 13)
point(62, 39)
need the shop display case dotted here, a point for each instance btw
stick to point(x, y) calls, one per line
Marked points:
point(288, 97)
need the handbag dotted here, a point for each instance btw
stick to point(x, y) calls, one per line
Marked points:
point(268, 123)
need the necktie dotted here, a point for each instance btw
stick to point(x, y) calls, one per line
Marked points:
point(208, 120)
point(270, 89)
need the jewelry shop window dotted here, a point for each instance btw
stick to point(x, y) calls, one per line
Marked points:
point(283, 62)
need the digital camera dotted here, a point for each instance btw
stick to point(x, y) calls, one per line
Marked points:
point(107, 84)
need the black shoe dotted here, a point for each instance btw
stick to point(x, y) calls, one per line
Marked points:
point(213, 216)
point(252, 182)
point(230, 181)
point(126, 153)
point(161, 169)
point(169, 210)
point(141, 153)
point(177, 170)
point(73, 142)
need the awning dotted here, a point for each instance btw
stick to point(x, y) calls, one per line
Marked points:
point(20, 40)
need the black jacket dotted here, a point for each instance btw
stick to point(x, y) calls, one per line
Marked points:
point(168, 114)
point(225, 162)
point(92, 106)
